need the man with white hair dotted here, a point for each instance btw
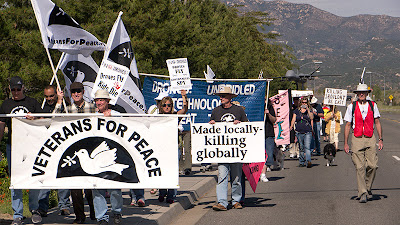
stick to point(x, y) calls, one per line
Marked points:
point(361, 115)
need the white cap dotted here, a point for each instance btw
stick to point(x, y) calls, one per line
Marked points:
point(162, 95)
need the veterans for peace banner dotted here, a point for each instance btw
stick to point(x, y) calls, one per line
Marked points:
point(95, 153)
point(225, 142)
point(60, 31)
point(78, 68)
point(179, 74)
point(335, 96)
point(119, 58)
point(201, 98)
point(280, 102)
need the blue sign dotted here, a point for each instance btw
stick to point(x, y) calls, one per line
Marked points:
point(201, 99)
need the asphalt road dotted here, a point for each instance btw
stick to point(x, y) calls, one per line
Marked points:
point(317, 195)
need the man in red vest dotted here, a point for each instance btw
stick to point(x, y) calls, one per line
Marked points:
point(362, 115)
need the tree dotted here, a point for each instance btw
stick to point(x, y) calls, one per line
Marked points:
point(205, 32)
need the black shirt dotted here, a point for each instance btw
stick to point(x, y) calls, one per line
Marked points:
point(11, 106)
point(221, 114)
point(269, 126)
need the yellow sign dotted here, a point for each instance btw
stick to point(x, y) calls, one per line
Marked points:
point(390, 97)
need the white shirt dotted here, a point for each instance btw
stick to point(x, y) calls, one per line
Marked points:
point(364, 112)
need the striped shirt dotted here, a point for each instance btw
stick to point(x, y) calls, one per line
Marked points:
point(86, 107)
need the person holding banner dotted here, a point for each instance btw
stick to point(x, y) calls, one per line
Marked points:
point(303, 118)
point(102, 99)
point(363, 116)
point(167, 107)
point(79, 105)
point(333, 118)
point(19, 104)
point(269, 139)
point(228, 112)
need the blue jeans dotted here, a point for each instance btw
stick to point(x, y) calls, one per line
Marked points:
point(235, 170)
point(16, 194)
point(137, 194)
point(269, 149)
point(100, 203)
point(315, 141)
point(305, 142)
point(63, 199)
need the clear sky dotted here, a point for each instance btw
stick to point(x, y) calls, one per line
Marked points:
point(355, 7)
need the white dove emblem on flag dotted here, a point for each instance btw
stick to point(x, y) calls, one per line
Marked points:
point(102, 159)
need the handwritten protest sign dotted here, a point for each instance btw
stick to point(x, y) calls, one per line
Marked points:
point(228, 143)
point(280, 102)
point(253, 172)
point(335, 96)
point(111, 77)
point(179, 74)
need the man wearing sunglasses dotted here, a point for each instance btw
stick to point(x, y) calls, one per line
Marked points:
point(228, 112)
point(19, 104)
point(78, 105)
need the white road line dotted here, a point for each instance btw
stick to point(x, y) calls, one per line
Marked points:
point(396, 157)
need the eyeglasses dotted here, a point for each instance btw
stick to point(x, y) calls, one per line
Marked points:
point(16, 89)
point(304, 102)
point(76, 91)
point(222, 96)
point(49, 96)
point(165, 105)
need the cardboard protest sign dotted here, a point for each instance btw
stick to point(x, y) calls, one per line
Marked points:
point(179, 74)
point(280, 102)
point(111, 77)
point(335, 96)
point(225, 142)
point(95, 152)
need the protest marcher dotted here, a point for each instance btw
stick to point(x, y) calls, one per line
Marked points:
point(361, 116)
point(228, 112)
point(167, 107)
point(50, 95)
point(326, 109)
point(333, 118)
point(102, 99)
point(19, 104)
point(303, 117)
point(79, 105)
point(269, 139)
point(294, 144)
point(318, 113)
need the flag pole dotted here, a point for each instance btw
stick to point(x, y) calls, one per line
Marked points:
point(54, 77)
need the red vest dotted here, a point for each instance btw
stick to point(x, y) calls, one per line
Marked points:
point(363, 127)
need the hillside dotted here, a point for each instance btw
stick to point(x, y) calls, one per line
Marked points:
point(342, 43)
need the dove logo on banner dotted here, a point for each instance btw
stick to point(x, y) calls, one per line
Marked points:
point(59, 17)
point(100, 157)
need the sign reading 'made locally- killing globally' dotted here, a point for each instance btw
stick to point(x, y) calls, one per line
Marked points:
point(335, 96)
point(227, 142)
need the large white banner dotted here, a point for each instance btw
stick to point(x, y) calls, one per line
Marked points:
point(228, 143)
point(95, 153)
point(335, 96)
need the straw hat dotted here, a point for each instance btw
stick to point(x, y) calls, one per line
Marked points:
point(102, 93)
point(226, 90)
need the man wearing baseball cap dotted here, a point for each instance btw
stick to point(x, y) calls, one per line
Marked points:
point(362, 115)
point(19, 103)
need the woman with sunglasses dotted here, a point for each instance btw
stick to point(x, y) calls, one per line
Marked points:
point(303, 118)
point(167, 107)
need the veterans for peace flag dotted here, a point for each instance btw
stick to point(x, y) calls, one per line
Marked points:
point(60, 31)
point(124, 88)
point(95, 152)
point(78, 68)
